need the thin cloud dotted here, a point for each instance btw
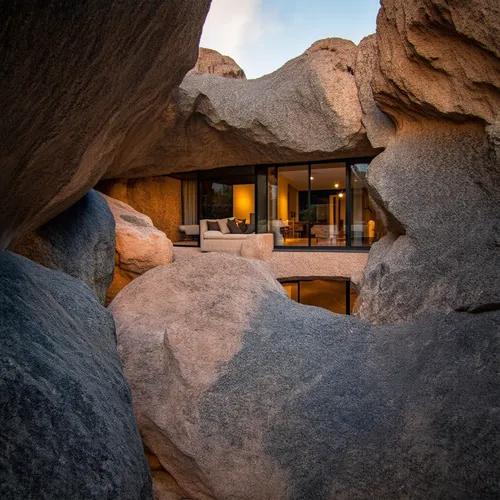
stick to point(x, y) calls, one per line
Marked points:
point(231, 25)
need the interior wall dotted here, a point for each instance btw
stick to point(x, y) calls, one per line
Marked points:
point(243, 201)
point(283, 184)
point(293, 202)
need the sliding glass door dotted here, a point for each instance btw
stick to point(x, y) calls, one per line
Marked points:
point(328, 205)
point(321, 205)
point(216, 200)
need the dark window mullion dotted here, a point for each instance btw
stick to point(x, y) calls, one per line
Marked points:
point(348, 205)
point(309, 169)
point(256, 198)
point(199, 193)
point(348, 297)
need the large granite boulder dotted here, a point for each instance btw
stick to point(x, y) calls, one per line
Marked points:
point(306, 110)
point(67, 424)
point(438, 59)
point(79, 82)
point(380, 128)
point(213, 62)
point(243, 393)
point(438, 180)
point(140, 246)
point(79, 242)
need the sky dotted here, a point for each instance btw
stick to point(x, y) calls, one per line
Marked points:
point(262, 35)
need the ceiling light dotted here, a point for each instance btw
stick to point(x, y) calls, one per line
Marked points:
point(341, 195)
point(336, 184)
point(312, 178)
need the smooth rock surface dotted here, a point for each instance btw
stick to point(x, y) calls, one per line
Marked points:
point(308, 109)
point(243, 393)
point(139, 246)
point(438, 180)
point(213, 62)
point(67, 426)
point(83, 84)
point(79, 242)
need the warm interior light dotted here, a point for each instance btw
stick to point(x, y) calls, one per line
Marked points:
point(341, 195)
point(312, 178)
point(336, 184)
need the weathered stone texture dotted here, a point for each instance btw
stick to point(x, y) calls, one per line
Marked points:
point(79, 82)
point(438, 78)
point(258, 246)
point(438, 59)
point(442, 186)
point(79, 242)
point(139, 246)
point(67, 425)
point(165, 487)
point(308, 109)
point(159, 198)
point(212, 62)
point(243, 393)
point(379, 127)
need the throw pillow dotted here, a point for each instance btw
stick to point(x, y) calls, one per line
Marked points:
point(223, 225)
point(242, 223)
point(250, 229)
point(233, 227)
point(213, 225)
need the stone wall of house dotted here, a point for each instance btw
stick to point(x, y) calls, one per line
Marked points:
point(158, 197)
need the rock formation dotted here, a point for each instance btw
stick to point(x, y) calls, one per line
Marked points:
point(258, 246)
point(438, 78)
point(79, 242)
point(68, 428)
point(380, 128)
point(243, 393)
point(306, 110)
point(212, 62)
point(158, 197)
point(79, 82)
point(139, 246)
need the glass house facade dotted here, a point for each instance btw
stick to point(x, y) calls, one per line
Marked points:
point(316, 205)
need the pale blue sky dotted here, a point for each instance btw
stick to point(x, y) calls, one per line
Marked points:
point(261, 35)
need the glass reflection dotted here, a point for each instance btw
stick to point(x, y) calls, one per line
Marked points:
point(367, 227)
point(328, 205)
point(337, 296)
point(291, 211)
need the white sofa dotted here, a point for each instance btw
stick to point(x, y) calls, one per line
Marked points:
point(190, 230)
point(220, 241)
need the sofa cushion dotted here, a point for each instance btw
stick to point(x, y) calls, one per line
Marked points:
point(213, 225)
point(242, 224)
point(217, 235)
point(223, 225)
point(233, 227)
point(250, 229)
